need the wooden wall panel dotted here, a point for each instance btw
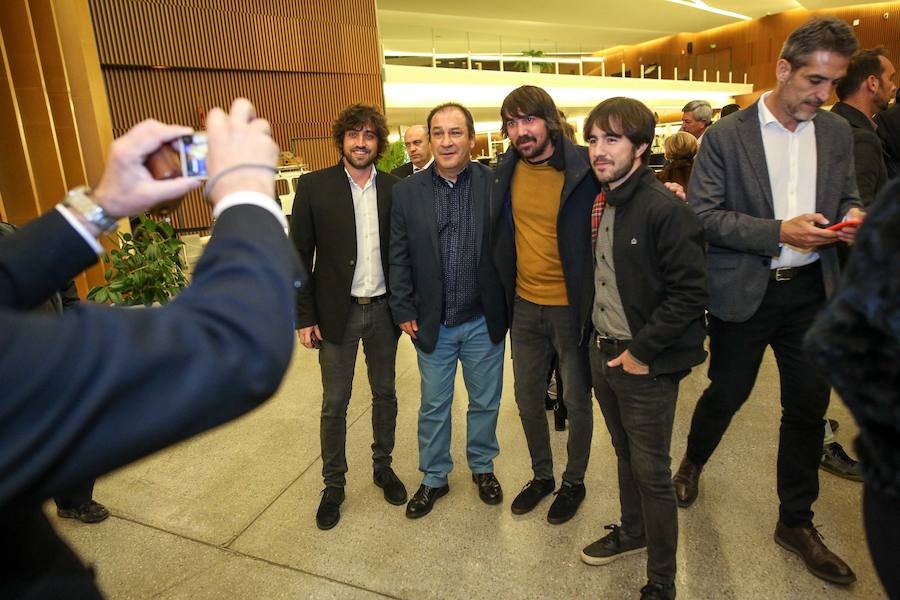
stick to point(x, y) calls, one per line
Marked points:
point(755, 45)
point(299, 62)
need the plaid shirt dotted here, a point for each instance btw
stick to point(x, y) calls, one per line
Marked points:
point(596, 213)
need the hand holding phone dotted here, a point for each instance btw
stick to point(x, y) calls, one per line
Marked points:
point(842, 224)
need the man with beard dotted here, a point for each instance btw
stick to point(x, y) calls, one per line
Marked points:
point(865, 91)
point(445, 296)
point(418, 147)
point(765, 181)
point(649, 298)
point(541, 203)
point(342, 217)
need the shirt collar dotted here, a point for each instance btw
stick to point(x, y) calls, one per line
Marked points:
point(461, 178)
point(371, 180)
point(767, 118)
point(428, 164)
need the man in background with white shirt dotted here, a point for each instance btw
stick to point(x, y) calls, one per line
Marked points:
point(342, 217)
point(764, 184)
point(418, 147)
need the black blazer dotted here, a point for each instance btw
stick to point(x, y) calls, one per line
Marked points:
point(573, 228)
point(403, 171)
point(889, 132)
point(98, 387)
point(868, 158)
point(323, 225)
point(416, 287)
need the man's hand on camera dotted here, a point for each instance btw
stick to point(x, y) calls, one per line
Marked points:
point(127, 188)
point(239, 138)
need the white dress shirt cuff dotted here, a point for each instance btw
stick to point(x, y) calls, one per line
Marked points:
point(82, 231)
point(256, 199)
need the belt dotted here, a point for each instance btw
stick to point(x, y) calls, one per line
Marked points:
point(367, 299)
point(788, 273)
point(610, 345)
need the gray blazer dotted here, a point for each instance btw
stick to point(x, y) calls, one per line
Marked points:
point(730, 192)
point(415, 258)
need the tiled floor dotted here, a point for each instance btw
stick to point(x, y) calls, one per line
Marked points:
point(231, 514)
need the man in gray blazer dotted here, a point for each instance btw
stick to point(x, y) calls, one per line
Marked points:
point(765, 182)
point(445, 294)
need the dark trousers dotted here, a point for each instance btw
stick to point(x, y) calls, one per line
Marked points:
point(75, 496)
point(881, 514)
point(372, 324)
point(736, 351)
point(537, 333)
point(35, 563)
point(639, 411)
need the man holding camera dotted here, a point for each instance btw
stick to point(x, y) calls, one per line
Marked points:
point(96, 388)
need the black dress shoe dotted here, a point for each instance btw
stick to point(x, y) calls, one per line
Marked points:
point(329, 512)
point(423, 500)
point(394, 490)
point(568, 499)
point(819, 560)
point(531, 495)
point(488, 488)
point(687, 482)
point(89, 512)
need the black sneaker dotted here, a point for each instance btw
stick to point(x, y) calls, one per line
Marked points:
point(613, 545)
point(329, 512)
point(835, 461)
point(658, 591)
point(89, 512)
point(531, 495)
point(568, 499)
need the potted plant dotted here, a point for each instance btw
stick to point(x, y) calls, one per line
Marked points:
point(393, 157)
point(536, 67)
point(145, 269)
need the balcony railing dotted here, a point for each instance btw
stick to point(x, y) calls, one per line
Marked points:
point(552, 65)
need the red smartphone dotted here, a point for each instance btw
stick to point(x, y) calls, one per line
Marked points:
point(842, 224)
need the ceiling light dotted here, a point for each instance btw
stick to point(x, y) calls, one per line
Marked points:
point(699, 4)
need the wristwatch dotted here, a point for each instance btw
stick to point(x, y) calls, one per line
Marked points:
point(79, 200)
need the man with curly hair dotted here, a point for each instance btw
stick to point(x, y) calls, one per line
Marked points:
point(342, 217)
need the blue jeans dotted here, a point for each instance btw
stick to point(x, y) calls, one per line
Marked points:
point(482, 363)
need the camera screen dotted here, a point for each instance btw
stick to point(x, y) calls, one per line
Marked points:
point(194, 151)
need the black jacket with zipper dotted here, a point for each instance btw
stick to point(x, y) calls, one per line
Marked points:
point(660, 263)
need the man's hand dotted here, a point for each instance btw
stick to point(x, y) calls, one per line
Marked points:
point(127, 188)
point(239, 138)
point(629, 364)
point(801, 231)
point(848, 233)
point(410, 328)
point(676, 189)
point(310, 336)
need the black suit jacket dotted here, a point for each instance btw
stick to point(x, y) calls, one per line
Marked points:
point(98, 387)
point(868, 156)
point(403, 171)
point(416, 286)
point(324, 225)
point(889, 132)
point(573, 228)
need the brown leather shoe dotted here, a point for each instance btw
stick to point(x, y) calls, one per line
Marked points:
point(687, 481)
point(821, 562)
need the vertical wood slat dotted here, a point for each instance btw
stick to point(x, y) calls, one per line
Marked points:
point(300, 62)
point(757, 43)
